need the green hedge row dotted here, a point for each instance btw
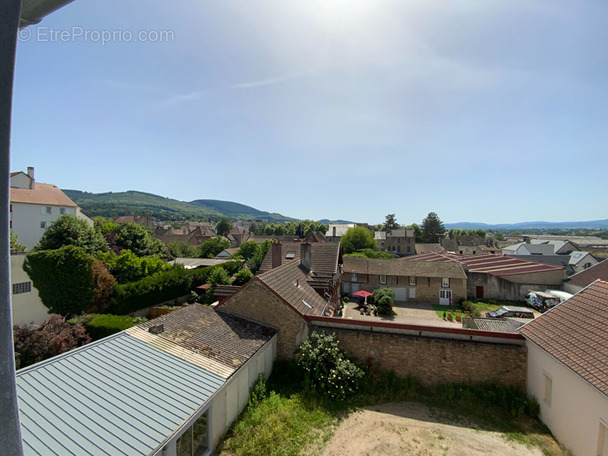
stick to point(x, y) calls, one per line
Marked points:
point(104, 325)
point(161, 287)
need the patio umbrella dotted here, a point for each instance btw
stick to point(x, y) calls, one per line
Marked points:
point(363, 294)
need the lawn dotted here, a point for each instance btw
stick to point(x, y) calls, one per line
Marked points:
point(287, 421)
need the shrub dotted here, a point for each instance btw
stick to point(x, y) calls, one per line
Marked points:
point(259, 391)
point(63, 278)
point(327, 371)
point(470, 307)
point(242, 277)
point(103, 325)
point(384, 298)
point(51, 338)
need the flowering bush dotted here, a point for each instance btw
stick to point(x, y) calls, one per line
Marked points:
point(327, 371)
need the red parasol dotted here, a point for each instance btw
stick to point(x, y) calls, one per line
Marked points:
point(363, 294)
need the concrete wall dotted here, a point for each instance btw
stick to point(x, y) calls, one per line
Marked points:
point(27, 307)
point(426, 289)
point(26, 218)
point(571, 288)
point(513, 288)
point(576, 408)
point(435, 358)
point(256, 302)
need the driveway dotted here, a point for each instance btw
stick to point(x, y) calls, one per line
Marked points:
point(412, 313)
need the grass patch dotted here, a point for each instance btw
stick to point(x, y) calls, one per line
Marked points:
point(490, 305)
point(440, 309)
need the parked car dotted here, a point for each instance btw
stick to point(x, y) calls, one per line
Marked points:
point(543, 300)
point(511, 311)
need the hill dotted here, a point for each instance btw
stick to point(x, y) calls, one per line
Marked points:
point(589, 225)
point(114, 204)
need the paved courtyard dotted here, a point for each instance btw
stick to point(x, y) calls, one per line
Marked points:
point(413, 313)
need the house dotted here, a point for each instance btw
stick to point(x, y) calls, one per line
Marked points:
point(169, 387)
point(26, 305)
point(468, 245)
point(577, 282)
point(579, 261)
point(206, 228)
point(282, 297)
point(422, 249)
point(399, 242)
point(34, 206)
point(194, 237)
point(568, 369)
point(500, 277)
point(237, 236)
point(563, 253)
point(432, 282)
point(335, 231)
point(145, 220)
point(227, 253)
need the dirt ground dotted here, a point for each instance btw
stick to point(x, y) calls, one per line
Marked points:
point(408, 429)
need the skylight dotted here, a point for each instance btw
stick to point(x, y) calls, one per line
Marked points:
point(290, 255)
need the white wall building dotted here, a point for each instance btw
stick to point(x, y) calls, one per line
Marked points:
point(26, 305)
point(568, 370)
point(34, 206)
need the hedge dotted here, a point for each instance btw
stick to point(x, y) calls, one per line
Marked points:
point(103, 325)
point(161, 287)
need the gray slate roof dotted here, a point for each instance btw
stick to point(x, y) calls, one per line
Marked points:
point(451, 269)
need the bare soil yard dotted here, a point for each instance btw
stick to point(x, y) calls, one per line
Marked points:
point(413, 429)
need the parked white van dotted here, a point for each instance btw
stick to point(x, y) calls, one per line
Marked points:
point(544, 300)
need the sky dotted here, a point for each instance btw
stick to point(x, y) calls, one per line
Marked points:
point(480, 111)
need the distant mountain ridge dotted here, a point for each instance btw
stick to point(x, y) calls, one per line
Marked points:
point(113, 204)
point(590, 225)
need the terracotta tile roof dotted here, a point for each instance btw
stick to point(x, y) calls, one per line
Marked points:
point(575, 333)
point(324, 256)
point(497, 265)
point(289, 282)
point(44, 194)
point(588, 276)
point(451, 269)
point(222, 337)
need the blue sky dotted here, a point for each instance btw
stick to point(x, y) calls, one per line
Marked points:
point(480, 111)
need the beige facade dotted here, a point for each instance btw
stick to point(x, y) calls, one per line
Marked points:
point(571, 408)
point(25, 302)
point(258, 303)
point(409, 288)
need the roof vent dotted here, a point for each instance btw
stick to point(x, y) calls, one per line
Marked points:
point(158, 329)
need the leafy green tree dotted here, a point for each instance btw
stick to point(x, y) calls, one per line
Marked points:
point(138, 239)
point(242, 277)
point(417, 231)
point(63, 278)
point(68, 230)
point(370, 253)
point(384, 299)
point(432, 228)
point(248, 249)
point(181, 250)
point(327, 371)
point(357, 238)
point(223, 227)
point(499, 236)
point(218, 276)
point(128, 267)
point(390, 223)
point(104, 225)
point(212, 247)
point(257, 259)
point(15, 245)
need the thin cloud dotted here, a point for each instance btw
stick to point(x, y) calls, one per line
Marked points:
point(264, 82)
point(169, 96)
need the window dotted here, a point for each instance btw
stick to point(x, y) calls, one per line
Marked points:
point(46, 210)
point(412, 281)
point(586, 265)
point(382, 279)
point(23, 287)
point(62, 210)
point(409, 249)
point(194, 441)
point(398, 248)
point(353, 277)
point(398, 240)
point(445, 282)
point(547, 389)
point(43, 225)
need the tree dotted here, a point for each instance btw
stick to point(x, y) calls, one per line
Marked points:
point(63, 278)
point(218, 276)
point(242, 277)
point(357, 238)
point(212, 247)
point(68, 230)
point(104, 225)
point(432, 228)
point(417, 231)
point(15, 245)
point(181, 250)
point(248, 249)
point(128, 267)
point(223, 227)
point(390, 223)
point(256, 260)
point(139, 240)
point(51, 338)
point(103, 282)
point(384, 299)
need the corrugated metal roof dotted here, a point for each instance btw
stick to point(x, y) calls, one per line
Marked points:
point(118, 396)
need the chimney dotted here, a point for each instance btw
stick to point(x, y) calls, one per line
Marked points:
point(306, 255)
point(30, 172)
point(276, 254)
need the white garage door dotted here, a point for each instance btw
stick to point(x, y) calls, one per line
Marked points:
point(400, 294)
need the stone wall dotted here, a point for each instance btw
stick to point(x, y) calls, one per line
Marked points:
point(256, 302)
point(513, 288)
point(436, 360)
